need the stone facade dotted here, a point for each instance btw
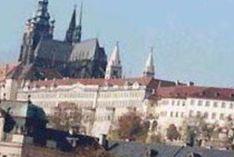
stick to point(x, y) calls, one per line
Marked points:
point(95, 96)
point(184, 104)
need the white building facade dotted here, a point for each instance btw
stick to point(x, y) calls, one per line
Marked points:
point(175, 105)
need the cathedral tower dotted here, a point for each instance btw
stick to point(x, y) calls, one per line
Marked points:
point(37, 28)
point(114, 67)
point(149, 70)
point(74, 32)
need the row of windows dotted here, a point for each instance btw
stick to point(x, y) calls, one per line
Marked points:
point(207, 115)
point(173, 114)
point(121, 104)
point(214, 104)
point(120, 94)
point(177, 114)
point(84, 95)
point(60, 95)
point(205, 103)
point(178, 103)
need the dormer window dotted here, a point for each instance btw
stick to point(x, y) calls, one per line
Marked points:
point(232, 95)
point(127, 83)
point(136, 85)
point(203, 93)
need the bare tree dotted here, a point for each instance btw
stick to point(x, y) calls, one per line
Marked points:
point(66, 116)
point(172, 133)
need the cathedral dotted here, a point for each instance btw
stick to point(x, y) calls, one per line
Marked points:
point(43, 57)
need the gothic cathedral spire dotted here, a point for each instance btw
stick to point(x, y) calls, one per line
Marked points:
point(149, 70)
point(71, 28)
point(37, 28)
point(74, 32)
point(114, 67)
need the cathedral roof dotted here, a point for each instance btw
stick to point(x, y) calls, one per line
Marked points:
point(85, 50)
point(53, 50)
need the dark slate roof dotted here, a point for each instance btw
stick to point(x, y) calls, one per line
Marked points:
point(132, 149)
point(61, 138)
point(86, 50)
point(53, 50)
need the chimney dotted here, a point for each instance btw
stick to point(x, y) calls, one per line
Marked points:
point(178, 83)
point(191, 83)
point(151, 153)
point(2, 123)
point(103, 141)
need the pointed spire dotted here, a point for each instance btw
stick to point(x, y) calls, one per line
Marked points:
point(114, 67)
point(72, 24)
point(149, 70)
point(78, 31)
point(74, 32)
point(81, 15)
point(72, 27)
point(115, 56)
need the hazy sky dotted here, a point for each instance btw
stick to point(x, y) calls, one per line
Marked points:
point(193, 39)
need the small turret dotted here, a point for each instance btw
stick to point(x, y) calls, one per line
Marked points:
point(114, 67)
point(149, 70)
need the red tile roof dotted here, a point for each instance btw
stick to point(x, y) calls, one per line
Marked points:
point(195, 92)
point(145, 81)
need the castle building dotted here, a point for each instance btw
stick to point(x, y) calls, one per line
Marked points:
point(75, 71)
point(105, 99)
point(42, 56)
point(110, 98)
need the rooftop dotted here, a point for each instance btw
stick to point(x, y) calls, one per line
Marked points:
point(133, 149)
point(196, 92)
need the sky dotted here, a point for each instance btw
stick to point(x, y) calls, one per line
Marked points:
point(193, 39)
